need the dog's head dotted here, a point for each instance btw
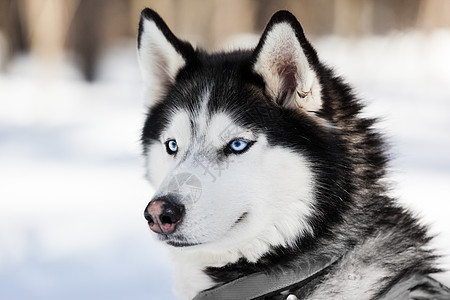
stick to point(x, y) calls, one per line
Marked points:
point(236, 143)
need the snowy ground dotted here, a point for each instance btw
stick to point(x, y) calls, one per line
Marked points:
point(72, 191)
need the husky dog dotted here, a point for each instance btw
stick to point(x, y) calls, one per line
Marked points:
point(269, 183)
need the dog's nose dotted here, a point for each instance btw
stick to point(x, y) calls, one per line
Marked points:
point(164, 214)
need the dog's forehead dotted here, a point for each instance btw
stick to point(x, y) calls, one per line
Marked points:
point(219, 93)
point(206, 122)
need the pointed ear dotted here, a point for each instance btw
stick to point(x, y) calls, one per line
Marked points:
point(284, 59)
point(161, 54)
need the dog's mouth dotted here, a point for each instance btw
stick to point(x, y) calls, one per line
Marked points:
point(180, 241)
point(240, 219)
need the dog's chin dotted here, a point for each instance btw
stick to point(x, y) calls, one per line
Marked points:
point(180, 244)
point(176, 241)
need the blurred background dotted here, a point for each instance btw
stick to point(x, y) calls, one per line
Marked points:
point(72, 188)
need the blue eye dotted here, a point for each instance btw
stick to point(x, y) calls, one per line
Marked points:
point(238, 145)
point(171, 147)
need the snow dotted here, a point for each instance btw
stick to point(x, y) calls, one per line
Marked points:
point(72, 186)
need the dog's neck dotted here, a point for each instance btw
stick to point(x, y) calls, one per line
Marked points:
point(191, 275)
point(298, 279)
point(192, 266)
point(200, 270)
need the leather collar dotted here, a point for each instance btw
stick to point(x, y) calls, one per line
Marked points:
point(263, 284)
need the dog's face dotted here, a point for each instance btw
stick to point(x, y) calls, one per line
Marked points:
point(232, 140)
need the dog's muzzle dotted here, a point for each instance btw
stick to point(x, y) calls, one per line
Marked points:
point(164, 214)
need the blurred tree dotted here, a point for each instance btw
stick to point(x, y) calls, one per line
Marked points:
point(391, 15)
point(434, 14)
point(12, 24)
point(87, 27)
point(85, 34)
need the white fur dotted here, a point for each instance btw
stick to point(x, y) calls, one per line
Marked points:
point(355, 276)
point(282, 49)
point(222, 130)
point(361, 281)
point(272, 184)
point(158, 59)
point(201, 116)
point(159, 163)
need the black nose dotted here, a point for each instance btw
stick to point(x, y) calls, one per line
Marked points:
point(164, 214)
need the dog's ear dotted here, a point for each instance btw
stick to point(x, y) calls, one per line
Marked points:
point(284, 59)
point(161, 54)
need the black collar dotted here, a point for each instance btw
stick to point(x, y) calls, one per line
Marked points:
point(263, 284)
point(307, 273)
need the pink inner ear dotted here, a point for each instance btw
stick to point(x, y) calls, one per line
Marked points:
point(162, 66)
point(288, 74)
